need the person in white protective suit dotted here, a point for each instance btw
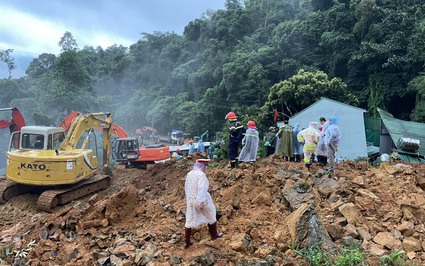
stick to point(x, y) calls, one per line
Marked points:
point(332, 138)
point(297, 147)
point(250, 144)
point(200, 208)
point(310, 137)
point(322, 150)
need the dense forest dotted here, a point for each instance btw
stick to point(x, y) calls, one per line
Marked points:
point(251, 57)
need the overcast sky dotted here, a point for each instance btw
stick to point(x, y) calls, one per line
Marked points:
point(33, 27)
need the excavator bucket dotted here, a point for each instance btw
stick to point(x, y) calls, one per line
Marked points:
point(16, 122)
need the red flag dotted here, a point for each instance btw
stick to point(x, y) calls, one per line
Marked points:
point(275, 115)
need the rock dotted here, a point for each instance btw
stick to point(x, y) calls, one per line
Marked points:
point(359, 180)
point(240, 242)
point(104, 223)
point(207, 259)
point(294, 198)
point(334, 230)
point(279, 236)
point(126, 249)
point(174, 259)
point(364, 233)
point(376, 250)
point(350, 241)
point(262, 199)
point(411, 255)
point(306, 229)
point(326, 186)
point(406, 228)
point(103, 261)
point(412, 244)
point(387, 240)
point(351, 213)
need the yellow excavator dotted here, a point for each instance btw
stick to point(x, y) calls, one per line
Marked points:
point(46, 158)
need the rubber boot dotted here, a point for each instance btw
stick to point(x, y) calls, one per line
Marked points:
point(237, 163)
point(213, 231)
point(232, 165)
point(325, 160)
point(319, 159)
point(187, 233)
point(308, 165)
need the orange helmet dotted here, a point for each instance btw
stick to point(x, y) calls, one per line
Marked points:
point(251, 124)
point(231, 115)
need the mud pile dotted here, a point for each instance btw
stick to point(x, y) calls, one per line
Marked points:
point(265, 209)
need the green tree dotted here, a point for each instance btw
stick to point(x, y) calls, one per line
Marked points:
point(418, 85)
point(67, 42)
point(70, 85)
point(41, 65)
point(5, 57)
point(303, 89)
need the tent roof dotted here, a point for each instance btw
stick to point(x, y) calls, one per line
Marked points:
point(399, 128)
point(324, 99)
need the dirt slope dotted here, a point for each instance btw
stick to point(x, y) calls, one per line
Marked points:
point(139, 220)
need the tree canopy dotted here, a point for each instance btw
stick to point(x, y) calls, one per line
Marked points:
point(251, 57)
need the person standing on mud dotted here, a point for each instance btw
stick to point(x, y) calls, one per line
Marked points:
point(322, 151)
point(332, 138)
point(285, 141)
point(250, 144)
point(310, 137)
point(200, 208)
point(270, 141)
point(236, 134)
point(297, 147)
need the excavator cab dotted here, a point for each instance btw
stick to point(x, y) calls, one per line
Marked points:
point(37, 138)
point(126, 150)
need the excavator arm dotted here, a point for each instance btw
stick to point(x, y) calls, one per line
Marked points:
point(16, 122)
point(86, 122)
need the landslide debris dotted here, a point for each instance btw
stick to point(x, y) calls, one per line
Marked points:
point(266, 208)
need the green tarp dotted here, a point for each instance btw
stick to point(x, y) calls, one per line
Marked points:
point(404, 129)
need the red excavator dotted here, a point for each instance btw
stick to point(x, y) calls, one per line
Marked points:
point(128, 150)
point(16, 122)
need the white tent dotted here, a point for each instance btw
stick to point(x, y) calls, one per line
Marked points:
point(351, 122)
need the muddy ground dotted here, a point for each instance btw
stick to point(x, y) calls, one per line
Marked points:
point(139, 219)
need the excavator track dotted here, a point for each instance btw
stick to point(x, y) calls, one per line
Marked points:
point(10, 189)
point(51, 198)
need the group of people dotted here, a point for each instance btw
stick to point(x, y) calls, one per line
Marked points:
point(321, 141)
point(248, 137)
point(316, 142)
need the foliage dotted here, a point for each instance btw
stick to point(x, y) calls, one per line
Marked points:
point(23, 253)
point(351, 256)
point(250, 57)
point(418, 85)
point(67, 42)
point(5, 57)
point(315, 256)
point(301, 90)
point(396, 258)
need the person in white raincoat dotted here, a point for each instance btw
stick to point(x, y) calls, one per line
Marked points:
point(322, 150)
point(310, 137)
point(250, 144)
point(332, 138)
point(200, 208)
